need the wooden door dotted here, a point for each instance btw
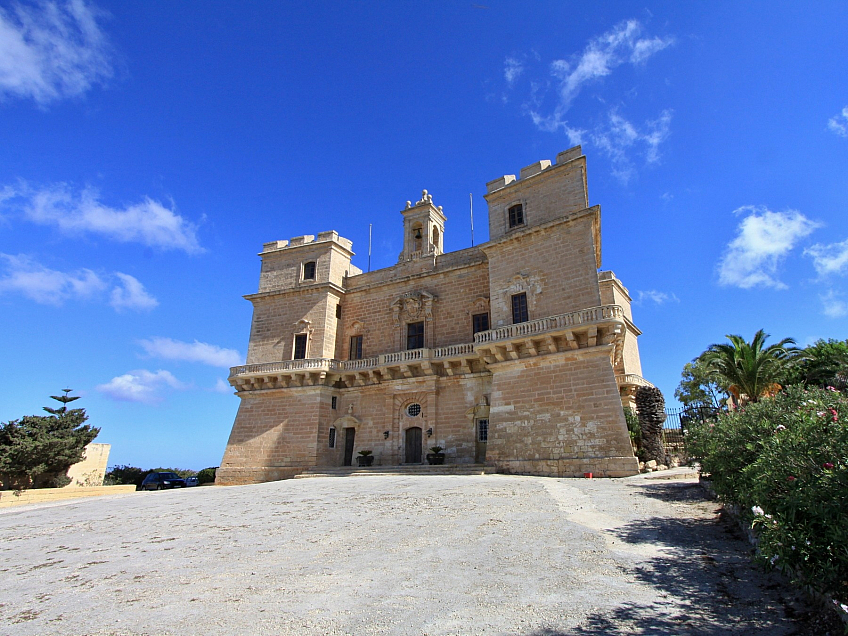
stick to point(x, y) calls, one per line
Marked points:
point(413, 445)
point(350, 434)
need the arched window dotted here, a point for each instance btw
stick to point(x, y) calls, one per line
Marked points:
point(435, 237)
point(417, 237)
point(309, 270)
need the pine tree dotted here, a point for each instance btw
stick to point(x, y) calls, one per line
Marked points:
point(37, 450)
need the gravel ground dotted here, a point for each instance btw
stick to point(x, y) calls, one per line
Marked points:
point(392, 555)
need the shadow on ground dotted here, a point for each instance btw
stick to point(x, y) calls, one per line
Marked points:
point(706, 583)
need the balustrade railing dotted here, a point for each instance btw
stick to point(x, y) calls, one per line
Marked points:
point(524, 329)
point(454, 350)
point(631, 379)
point(603, 313)
point(282, 365)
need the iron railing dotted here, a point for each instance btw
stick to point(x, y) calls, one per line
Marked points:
point(676, 422)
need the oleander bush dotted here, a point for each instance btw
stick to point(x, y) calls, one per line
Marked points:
point(784, 462)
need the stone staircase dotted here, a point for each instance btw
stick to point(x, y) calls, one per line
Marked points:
point(409, 469)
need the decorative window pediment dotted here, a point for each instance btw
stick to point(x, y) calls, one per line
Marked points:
point(413, 306)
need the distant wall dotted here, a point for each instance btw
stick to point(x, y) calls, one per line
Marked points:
point(8, 498)
point(92, 469)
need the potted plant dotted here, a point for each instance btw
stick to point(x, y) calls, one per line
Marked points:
point(365, 458)
point(436, 456)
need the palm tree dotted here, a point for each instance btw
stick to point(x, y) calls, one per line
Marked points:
point(747, 369)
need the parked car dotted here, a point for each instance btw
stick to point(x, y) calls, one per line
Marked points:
point(192, 481)
point(161, 481)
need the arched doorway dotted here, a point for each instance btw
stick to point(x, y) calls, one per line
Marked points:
point(413, 437)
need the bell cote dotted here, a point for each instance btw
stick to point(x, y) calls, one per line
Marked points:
point(423, 229)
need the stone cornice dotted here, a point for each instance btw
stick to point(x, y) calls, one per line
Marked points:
point(293, 291)
point(594, 211)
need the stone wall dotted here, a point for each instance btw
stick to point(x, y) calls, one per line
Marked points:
point(92, 469)
point(559, 415)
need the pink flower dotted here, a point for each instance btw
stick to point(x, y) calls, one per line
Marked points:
point(835, 415)
point(791, 478)
point(832, 388)
point(827, 465)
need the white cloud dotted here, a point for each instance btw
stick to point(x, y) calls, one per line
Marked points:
point(655, 296)
point(621, 45)
point(619, 136)
point(222, 386)
point(147, 222)
point(213, 355)
point(513, 68)
point(140, 386)
point(47, 286)
point(764, 239)
point(839, 123)
point(829, 259)
point(28, 277)
point(52, 50)
point(131, 294)
point(834, 306)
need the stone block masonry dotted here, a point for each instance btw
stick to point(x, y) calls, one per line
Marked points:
point(517, 353)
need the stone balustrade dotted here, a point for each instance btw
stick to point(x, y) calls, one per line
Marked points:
point(631, 379)
point(578, 329)
point(594, 315)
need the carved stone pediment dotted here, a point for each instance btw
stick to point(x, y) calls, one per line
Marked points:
point(480, 305)
point(412, 306)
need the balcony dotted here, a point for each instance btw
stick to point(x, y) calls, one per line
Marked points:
point(444, 361)
point(573, 331)
point(576, 330)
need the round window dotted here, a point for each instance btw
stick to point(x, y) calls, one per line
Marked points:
point(413, 410)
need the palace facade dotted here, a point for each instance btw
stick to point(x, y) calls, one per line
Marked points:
point(517, 353)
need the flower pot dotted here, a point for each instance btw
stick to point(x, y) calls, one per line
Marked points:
point(587, 475)
point(365, 460)
point(435, 459)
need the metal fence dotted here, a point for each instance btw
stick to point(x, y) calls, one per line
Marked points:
point(676, 422)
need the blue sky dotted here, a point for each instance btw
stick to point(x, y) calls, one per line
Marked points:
point(147, 150)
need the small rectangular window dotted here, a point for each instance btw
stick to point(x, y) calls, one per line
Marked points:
point(480, 322)
point(516, 215)
point(415, 335)
point(334, 402)
point(300, 347)
point(333, 435)
point(355, 348)
point(519, 308)
point(309, 271)
point(482, 430)
point(338, 311)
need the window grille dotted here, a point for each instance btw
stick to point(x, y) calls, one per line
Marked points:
point(482, 430)
point(413, 410)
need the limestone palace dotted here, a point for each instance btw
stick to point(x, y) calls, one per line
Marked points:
point(517, 353)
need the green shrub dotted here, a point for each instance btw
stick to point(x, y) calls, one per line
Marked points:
point(784, 462)
point(207, 475)
point(633, 427)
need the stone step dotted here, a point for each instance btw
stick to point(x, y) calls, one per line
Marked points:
point(353, 471)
